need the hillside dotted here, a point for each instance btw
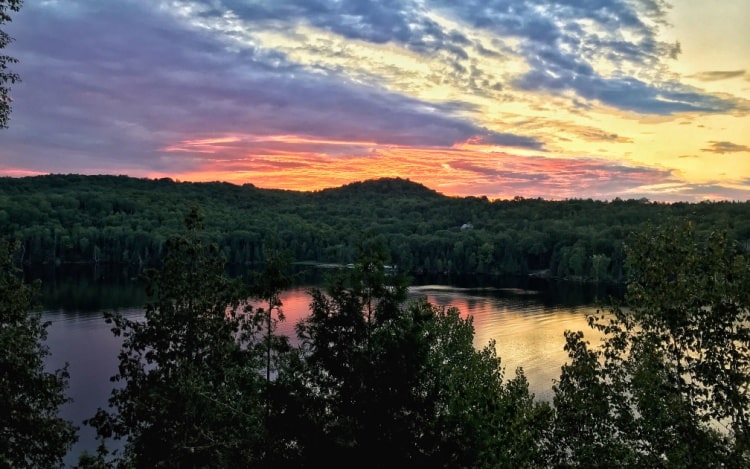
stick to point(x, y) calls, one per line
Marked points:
point(119, 219)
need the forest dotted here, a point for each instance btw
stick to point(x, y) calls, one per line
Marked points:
point(204, 380)
point(125, 220)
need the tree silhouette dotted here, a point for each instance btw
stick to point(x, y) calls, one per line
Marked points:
point(7, 77)
point(31, 433)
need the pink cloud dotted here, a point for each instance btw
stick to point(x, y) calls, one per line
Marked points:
point(307, 163)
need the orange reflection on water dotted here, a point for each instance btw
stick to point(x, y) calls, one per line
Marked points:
point(528, 334)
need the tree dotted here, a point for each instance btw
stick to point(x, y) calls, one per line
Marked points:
point(474, 417)
point(267, 286)
point(393, 382)
point(340, 368)
point(587, 427)
point(31, 432)
point(671, 380)
point(6, 76)
point(599, 265)
point(690, 298)
point(191, 391)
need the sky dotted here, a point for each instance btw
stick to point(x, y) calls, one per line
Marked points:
point(499, 98)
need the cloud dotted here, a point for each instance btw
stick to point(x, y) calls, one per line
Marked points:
point(504, 139)
point(512, 177)
point(402, 21)
point(557, 128)
point(504, 176)
point(595, 135)
point(557, 72)
point(131, 79)
point(559, 178)
point(718, 75)
point(559, 40)
point(562, 40)
point(299, 93)
point(453, 171)
point(725, 147)
point(712, 191)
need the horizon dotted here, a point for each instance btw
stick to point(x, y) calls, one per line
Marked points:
point(389, 178)
point(552, 99)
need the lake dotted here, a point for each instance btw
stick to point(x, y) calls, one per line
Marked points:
point(525, 316)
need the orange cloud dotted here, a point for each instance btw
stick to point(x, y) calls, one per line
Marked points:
point(298, 162)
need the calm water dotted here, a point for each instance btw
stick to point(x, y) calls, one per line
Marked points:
point(526, 317)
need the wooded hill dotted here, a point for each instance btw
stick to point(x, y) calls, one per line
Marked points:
point(119, 219)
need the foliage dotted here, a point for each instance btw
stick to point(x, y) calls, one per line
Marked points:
point(380, 379)
point(479, 420)
point(669, 385)
point(267, 286)
point(191, 391)
point(6, 76)
point(389, 383)
point(117, 219)
point(31, 433)
point(341, 355)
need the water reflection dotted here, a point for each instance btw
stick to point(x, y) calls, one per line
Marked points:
point(84, 341)
point(526, 325)
point(527, 332)
point(526, 318)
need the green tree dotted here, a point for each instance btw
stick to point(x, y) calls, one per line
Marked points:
point(340, 342)
point(129, 219)
point(587, 429)
point(393, 382)
point(690, 300)
point(191, 393)
point(267, 286)
point(472, 416)
point(31, 432)
point(671, 379)
point(599, 265)
point(7, 77)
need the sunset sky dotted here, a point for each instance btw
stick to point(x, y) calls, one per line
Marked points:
point(554, 99)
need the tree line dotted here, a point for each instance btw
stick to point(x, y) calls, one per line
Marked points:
point(123, 220)
point(204, 380)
